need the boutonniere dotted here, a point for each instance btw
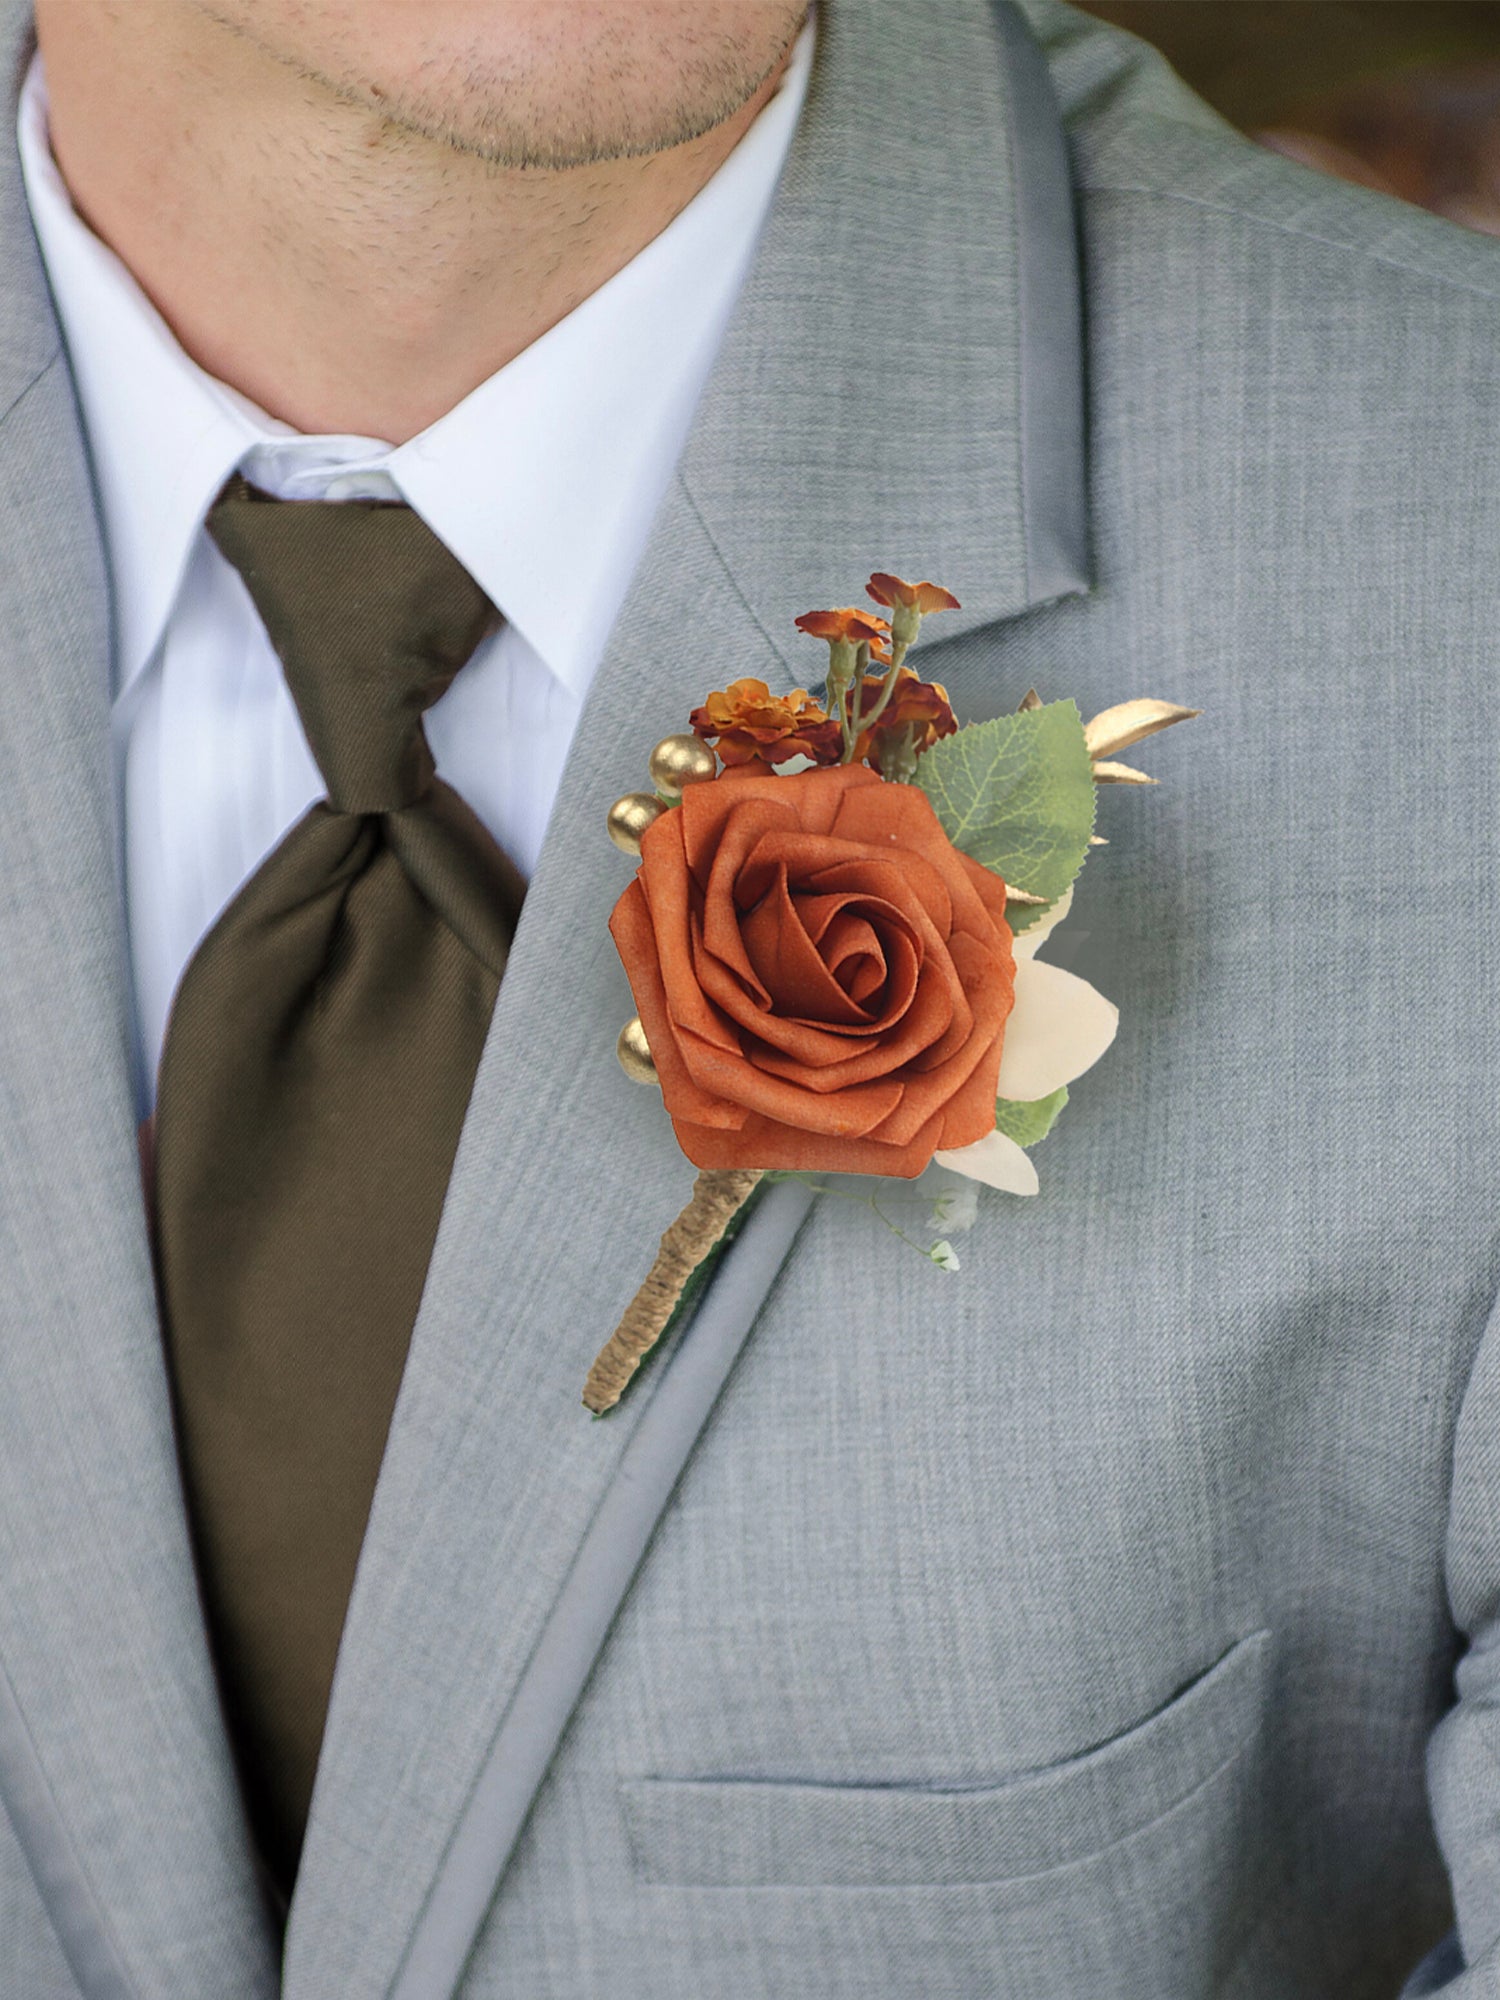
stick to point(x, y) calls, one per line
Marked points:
point(831, 938)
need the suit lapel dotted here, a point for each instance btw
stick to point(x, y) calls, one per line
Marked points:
point(565, 1178)
point(113, 1762)
point(901, 386)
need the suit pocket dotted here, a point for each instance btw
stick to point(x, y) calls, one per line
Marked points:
point(741, 1832)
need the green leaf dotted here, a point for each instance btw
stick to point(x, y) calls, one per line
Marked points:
point(1027, 1123)
point(1018, 795)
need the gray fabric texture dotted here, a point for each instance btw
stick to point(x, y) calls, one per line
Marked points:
point(1074, 1625)
point(31, 1958)
point(603, 1570)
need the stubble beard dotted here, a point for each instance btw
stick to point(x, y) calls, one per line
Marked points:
point(513, 116)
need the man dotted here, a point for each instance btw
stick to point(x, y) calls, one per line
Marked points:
point(1074, 1624)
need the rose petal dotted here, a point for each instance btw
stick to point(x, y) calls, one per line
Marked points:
point(788, 1149)
point(997, 1161)
point(896, 1052)
point(631, 928)
point(789, 965)
point(855, 1110)
point(852, 950)
point(1058, 1028)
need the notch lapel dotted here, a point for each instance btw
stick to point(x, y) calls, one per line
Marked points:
point(901, 385)
point(113, 1762)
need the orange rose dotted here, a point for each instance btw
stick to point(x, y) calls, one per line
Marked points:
point(753, 725)
point(823, 978)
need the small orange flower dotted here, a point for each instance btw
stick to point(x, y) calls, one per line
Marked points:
point(919, 597)
point(753, 725)
point(852, 626)
point(921, 706)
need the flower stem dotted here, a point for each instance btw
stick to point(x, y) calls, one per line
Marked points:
point(718, 1196)
point(849, 698)
point(863, 1201)
point(841, 667)
point(888, 688)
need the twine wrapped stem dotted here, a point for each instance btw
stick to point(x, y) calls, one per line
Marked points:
point(718, 1196)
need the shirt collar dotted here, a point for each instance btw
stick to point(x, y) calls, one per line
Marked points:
point(543, 481)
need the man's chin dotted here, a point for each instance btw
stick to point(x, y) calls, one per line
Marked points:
point(518, 86)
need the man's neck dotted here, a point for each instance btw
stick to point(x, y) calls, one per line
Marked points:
point(345, 275)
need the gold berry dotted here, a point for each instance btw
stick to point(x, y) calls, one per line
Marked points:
point(635, 1053)
point(678, 761)
point(629, 817)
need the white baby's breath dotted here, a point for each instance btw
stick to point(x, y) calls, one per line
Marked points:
point(955, 1208)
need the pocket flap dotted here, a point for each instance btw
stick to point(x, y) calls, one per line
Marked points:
point(744, 1831)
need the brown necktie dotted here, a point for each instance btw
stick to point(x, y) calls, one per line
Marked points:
point(318, 1063)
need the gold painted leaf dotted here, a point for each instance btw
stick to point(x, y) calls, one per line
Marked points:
point(1117, 728)
point(1120, 774)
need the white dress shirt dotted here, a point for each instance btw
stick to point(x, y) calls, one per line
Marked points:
point(544, 482)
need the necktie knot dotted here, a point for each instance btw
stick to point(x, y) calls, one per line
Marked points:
point(371, 618)
point(315, 1080)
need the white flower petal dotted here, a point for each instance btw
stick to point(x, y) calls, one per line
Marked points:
point(1027, 943)
point(997, 1161)
point(956, 1208)
point(1058, 1028)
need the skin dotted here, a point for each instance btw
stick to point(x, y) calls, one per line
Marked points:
point(354, 211)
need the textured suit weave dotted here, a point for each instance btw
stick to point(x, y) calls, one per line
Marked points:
point(1071, 1627)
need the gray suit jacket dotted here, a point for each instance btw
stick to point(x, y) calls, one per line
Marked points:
point(1072, 1628)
